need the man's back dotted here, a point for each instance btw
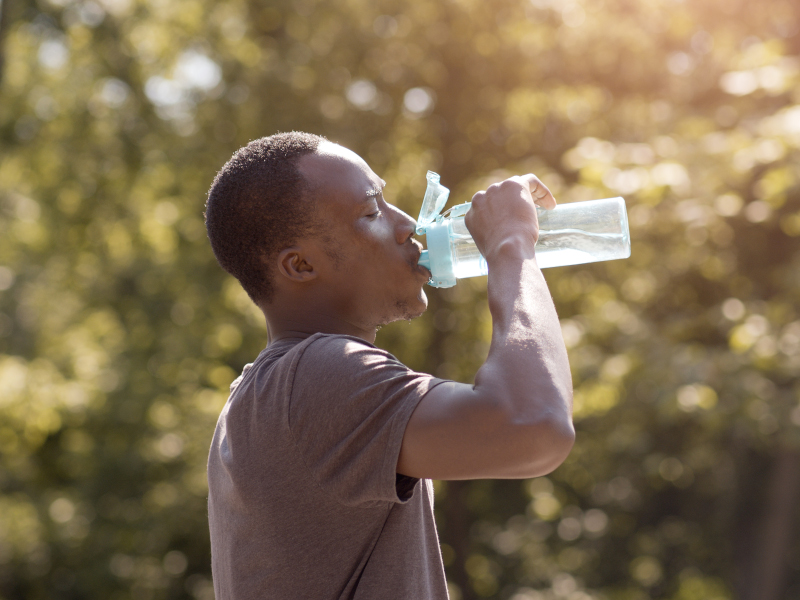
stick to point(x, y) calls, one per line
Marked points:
point(303, 491)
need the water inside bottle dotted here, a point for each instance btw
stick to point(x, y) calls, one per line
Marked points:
point(556, 247)
point(561, 247)
point(467, 261)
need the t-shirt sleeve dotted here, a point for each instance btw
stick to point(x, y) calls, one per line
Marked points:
point(348, 410)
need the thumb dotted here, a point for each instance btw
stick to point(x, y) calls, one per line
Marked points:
point(541, 195)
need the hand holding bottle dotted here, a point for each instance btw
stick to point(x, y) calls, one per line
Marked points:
point(503, 218)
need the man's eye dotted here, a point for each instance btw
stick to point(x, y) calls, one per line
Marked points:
point(375, 215)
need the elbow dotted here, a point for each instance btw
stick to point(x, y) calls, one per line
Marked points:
point(549, 442)
point(521, 441)
point(561, 439)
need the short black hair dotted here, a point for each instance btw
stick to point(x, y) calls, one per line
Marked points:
point(258, 205)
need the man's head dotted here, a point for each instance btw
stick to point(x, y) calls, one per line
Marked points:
point(259, 204)
point(323, 248)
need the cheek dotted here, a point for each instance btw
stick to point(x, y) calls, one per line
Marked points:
point(365, 242)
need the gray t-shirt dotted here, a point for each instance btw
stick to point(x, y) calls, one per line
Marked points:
point(304, 500)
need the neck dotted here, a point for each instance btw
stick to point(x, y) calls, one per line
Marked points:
point(285, 322)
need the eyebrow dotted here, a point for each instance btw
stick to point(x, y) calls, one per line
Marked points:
point(376, 191)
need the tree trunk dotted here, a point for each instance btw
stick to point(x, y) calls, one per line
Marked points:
point(456, 533)
point(770, 556)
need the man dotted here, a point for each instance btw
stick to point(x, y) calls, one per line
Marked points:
point(319, 471)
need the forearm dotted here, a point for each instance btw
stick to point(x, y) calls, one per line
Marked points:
point(527, 370)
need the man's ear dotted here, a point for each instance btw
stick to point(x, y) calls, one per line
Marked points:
point(293, 264)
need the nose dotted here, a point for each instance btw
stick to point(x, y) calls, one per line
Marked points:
point(404, 225)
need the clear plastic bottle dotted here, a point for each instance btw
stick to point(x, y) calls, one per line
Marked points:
point(570, 234)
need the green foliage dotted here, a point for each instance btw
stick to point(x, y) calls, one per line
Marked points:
point(119, 334)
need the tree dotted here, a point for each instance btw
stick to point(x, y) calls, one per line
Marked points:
point(119, 334)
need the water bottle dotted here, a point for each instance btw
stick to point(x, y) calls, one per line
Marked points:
point(570, 234)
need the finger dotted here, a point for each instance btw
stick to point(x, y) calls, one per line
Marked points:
point(538, 190)
point(478, 196)
point(542, 196)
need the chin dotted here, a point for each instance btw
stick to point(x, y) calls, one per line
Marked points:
point(405, 310)
point(422, 299)
point(419, 306)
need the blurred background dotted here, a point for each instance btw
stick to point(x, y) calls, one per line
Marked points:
point(119, 334)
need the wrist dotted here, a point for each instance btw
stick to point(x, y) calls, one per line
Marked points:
point(513, 248)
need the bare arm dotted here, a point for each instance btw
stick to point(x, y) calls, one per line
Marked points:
point(516, 421)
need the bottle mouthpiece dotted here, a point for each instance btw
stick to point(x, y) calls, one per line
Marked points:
point(425, 260)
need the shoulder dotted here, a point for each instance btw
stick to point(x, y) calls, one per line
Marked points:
point(336, 342)
point(323, 350)
point(345, 365)
point(342, 369)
